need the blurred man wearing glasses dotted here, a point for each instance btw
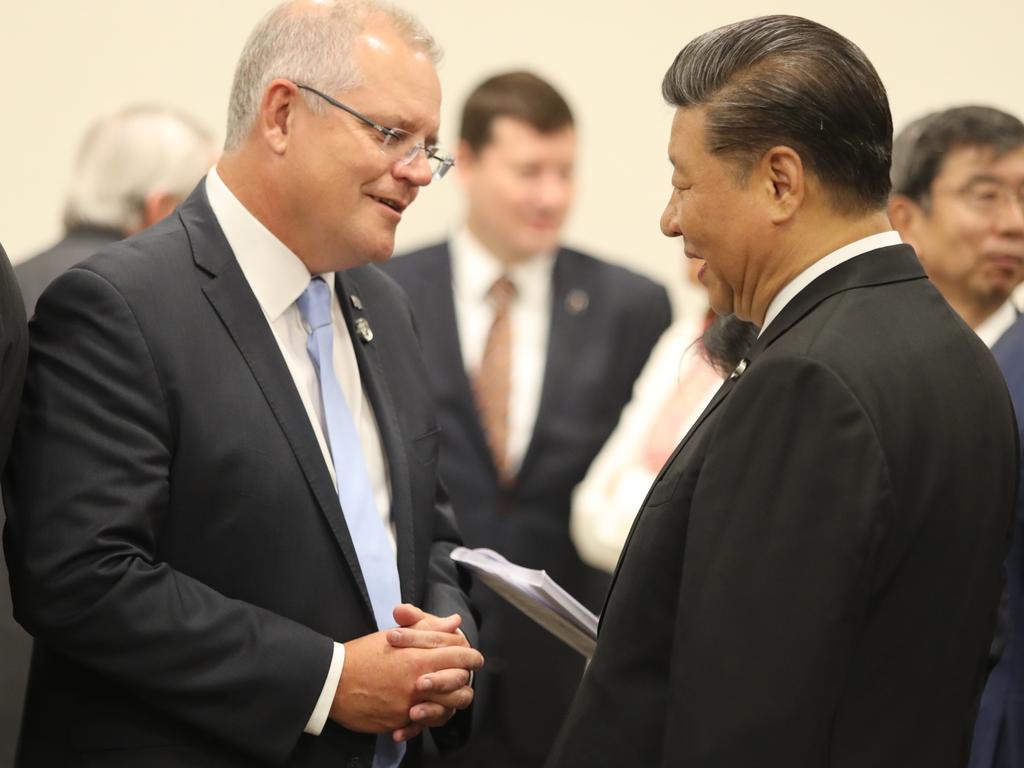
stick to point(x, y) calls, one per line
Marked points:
point(533, 349)
point(248, 503)
point(958, 182)
point(958, 198)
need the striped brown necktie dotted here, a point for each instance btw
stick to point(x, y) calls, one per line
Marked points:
point(493, 382)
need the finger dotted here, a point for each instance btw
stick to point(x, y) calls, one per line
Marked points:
point(404, 637)
point(430, 715)
point(455, 657)
point(409, 732)
point(459, 699)
point(443, 681)
point(407, 614)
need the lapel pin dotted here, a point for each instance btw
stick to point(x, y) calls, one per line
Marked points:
point(356, 301)
point(739, 369)
point(577, 301)
point(364, 330)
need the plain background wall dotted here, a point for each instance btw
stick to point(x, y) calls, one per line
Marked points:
point(68, 61)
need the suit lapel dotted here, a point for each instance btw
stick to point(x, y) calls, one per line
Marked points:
point(720, 395)
point(236, 306)
point(571, 296)
point(357, 311)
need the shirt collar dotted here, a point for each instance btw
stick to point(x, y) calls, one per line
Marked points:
point(474, 270)
point(276, 275)
point(996, 324)
point(823, 265)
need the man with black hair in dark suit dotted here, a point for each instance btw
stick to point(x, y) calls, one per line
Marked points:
point(813, 577)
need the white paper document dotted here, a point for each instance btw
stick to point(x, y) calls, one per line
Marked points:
point(535, 594)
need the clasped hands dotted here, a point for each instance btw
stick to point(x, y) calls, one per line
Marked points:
point(406, 679)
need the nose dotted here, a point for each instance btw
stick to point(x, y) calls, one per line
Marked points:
point(555, 191)
point(669, 221)
point(1010, 219)
point(417, 171)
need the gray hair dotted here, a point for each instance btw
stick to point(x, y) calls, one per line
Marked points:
point(129, 155)
point(313, 47)
point(921, 148)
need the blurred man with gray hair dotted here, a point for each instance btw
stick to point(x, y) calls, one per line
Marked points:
point(132, 170)
point(243, 558)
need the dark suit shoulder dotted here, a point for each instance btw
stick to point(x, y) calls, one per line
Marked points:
point(409, 268)
point(621, 276)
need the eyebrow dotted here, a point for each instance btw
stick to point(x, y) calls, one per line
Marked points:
point(984, 178)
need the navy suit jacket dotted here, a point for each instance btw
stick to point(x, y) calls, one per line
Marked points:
point(604, 322)
point(187, 569)
point(813, 577)
point(1000, 727)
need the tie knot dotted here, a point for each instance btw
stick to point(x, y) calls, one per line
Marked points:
point(315, 304)
point(502, 291)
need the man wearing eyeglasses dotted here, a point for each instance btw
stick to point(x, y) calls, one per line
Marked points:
point(958, 178)
point(532, 351)
point(958, 198)
point(244, 557)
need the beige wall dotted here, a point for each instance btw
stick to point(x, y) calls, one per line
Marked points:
point(66, 61)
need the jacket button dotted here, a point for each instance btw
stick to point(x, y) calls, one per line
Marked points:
point(354, 762)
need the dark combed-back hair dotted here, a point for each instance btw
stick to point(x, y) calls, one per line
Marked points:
point(921, 148)
point(785, 80)
point(519, 95)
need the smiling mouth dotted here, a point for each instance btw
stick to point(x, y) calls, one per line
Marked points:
point(392, 204)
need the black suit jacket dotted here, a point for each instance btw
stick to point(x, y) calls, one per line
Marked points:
point(37, 272)
point(187, 569)
point(13, 642)
point(813, 578)
point(604, 322)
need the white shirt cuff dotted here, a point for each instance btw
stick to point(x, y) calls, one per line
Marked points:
point(318, 719)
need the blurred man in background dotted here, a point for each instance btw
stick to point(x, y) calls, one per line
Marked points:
point(958, 183)
point(132, 170)
point(958, 198)
point(533, 349)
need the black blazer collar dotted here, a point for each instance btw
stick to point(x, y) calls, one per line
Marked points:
point(892, 264)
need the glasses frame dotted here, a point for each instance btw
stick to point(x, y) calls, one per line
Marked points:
point(396, 135)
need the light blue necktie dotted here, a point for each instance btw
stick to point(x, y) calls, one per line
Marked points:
point(355, 491)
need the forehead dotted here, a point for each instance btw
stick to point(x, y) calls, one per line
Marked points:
point(398, 82)
point(686, 141)
point(510, 136)
point(966, 162)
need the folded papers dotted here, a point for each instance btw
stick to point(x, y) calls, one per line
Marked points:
point(535, 594)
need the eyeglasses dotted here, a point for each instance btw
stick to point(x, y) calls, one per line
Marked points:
point(397, 144)
point(987, 197)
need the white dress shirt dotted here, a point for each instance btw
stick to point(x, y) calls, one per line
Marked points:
point(823, 265)
point(474, 270)
point(998, 323)
point(277, 278)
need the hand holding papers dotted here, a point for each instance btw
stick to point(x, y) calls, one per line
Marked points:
point(535, 594)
